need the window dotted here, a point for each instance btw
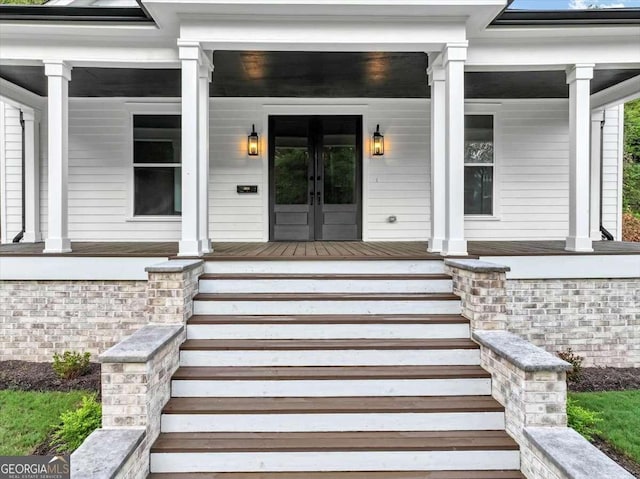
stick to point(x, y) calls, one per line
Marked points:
point(479, 162)
point(157, 175)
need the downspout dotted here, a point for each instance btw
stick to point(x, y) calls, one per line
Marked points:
point(20, 235)
point(605, 233)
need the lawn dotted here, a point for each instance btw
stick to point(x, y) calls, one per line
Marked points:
point(620, 414)
point(26, 417)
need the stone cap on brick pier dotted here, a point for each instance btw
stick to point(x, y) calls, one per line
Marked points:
point(477, 266)
point(174, 266)
point(573, 455)
point(104, 452)
point(142, 345)
point(520, 352)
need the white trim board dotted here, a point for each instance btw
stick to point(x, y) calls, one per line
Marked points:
point(65, 268)
point(569, 267)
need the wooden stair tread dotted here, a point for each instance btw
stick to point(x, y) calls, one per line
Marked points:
point(318, 276)
point(330, 319)
point(324, 344)
point(345, 475)
point(326, 297)
point(328, 372)
point(213, 442)
point(331, 405)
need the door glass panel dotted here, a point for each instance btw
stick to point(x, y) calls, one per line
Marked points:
point(339, 150)
point(291, 162)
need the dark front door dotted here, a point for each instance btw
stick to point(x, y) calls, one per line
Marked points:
point(315, 178)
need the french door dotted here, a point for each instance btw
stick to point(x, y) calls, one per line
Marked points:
point(315, 178)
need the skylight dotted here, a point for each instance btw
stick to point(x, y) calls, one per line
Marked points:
point(572, 4)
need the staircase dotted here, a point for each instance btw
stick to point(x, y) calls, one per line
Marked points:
point(291, 371)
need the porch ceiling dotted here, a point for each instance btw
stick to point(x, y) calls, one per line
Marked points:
point(310, 74)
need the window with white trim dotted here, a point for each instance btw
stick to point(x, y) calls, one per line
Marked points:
point(479, 163)
point(157, 172)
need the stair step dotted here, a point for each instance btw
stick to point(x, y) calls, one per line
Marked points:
point(333, 441)
point(325, 344)
point(334, 451)
point(327, 327)
point(329, 352)
point(303, 405)
point(326, 303)
point(331, 372)
point(345, 475)
point(392, 319)
point(274, 265)
point(332, 414)
point(328, 277)
point(333, 381)
point(326, 297)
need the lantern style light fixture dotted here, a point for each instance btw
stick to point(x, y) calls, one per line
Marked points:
point(377, 146)
point(253, 141)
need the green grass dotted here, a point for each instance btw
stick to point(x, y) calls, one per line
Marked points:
point(620, 413)
point(26, 417)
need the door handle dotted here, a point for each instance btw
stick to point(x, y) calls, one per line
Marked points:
point(311, 198)
point(319, 197)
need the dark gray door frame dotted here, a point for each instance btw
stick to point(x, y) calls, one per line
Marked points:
point(316, 181)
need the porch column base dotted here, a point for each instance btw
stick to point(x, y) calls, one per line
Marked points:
point(31, 237)
point(57, 245)
point(579, 244)
point(435, 245)
point(190, 248)
point(454, 247)
point(206, 246)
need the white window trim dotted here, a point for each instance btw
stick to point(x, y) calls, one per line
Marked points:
point(494, 110)
point(144, 108)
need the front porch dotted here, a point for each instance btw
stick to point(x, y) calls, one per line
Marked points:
point(318, 250)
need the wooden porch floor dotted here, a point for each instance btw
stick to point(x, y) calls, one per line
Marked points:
point(322, 249)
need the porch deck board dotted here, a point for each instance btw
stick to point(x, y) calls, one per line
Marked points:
point(321, 249)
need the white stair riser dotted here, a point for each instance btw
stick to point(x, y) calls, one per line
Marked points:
point(328, 331)
point(331, 387)
point(400, 357)
point(326, 267)
point(324, 286)
point(470, 421)
point(326, 307)
point(335, 461)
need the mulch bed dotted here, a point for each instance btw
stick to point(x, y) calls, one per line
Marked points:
point(606, 379)
point(28, 376)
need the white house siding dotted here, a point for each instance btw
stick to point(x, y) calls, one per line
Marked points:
point(531, 170)
point(612, 149)
point(10, 171)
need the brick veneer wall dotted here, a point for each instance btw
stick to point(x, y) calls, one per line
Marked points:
point(38, 318)
point(530, 398)
point(598, 318)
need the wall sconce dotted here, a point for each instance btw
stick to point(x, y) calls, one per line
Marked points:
point(253, 140)
point(377, 147)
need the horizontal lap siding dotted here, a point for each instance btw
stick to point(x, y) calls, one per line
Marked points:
point(11, 172)
point(233, 216)
point(532, 173)
point(611, 160)
point(399, 181)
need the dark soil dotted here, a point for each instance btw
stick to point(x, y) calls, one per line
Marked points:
point(28, 376)
point(606, 379)
point(629, 464)
point(45, 448)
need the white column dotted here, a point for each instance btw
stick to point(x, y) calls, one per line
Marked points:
point(190, 56)
point(579, 80)
point(31, 176)
point(438, 139)
point(453, 57)
point(203, 126)
point(597, 117)
point(59, 75)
